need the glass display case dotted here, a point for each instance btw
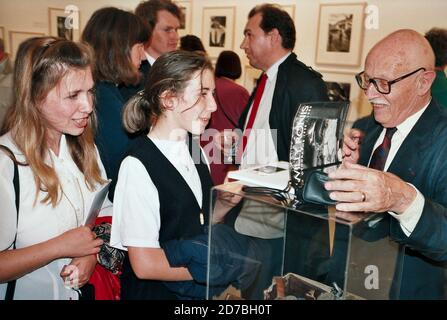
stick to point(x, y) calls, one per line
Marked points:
point(266, 249)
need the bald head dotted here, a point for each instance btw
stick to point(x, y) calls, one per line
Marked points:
point(399, 59)
point(404, 50)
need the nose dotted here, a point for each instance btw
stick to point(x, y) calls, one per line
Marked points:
point(371, 91)
point(86, 103)
point(212, 105)
point(243, 45)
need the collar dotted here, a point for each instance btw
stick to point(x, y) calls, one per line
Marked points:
point(273, 70)
point(406, 126)
point(149, 58)
point(63, 150)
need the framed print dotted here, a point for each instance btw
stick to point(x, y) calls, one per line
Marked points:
point(290, 9)
point(63, 24)
point(340, 34)
point(185, 21)
point(343, 86)
point(218, 29)
point(251, 76)
point(17, 37)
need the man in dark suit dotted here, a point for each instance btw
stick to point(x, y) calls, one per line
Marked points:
point(405, 141)
point(163, 19)
point(269, 38)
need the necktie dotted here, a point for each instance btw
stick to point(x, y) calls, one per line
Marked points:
point(379, 156)
point(251, 119)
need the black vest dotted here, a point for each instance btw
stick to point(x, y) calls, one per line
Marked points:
point(179, 210)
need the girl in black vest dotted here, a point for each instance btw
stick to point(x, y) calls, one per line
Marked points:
point(162, 193)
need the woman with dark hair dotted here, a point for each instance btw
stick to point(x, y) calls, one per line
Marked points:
point(50, 172)
point(117, 38)
point(192, 43)
point(164, 184)
point(231, 99)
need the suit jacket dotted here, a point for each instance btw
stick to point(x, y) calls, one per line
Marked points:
point(296, 83)
point(421, 161)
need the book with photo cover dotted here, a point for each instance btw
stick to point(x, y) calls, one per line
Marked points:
point(317, 136)
point(274, 175)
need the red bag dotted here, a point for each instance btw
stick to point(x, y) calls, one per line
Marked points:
point(107, 285)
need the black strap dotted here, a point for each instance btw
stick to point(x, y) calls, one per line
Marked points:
point(12, 284)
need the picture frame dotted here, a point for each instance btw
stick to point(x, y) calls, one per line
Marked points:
point(290, 9)
point(218, 29)
point(59, 26)
point(343, 86)
point(2, 33)
point(340, 34)
point(185, 23)
point(17, 37)
point(251, 76)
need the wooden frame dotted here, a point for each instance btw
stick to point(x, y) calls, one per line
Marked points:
point(185, 24)
point(340, 34)
point(343, 85)
point(63, 23)
point(218, 29)
point(2, 33)
point(17, 37)
point(290, 9)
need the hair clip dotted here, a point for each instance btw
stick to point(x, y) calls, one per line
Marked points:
point(140, 93)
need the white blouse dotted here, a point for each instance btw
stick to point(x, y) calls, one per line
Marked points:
point(40, 222)
point(136, 213)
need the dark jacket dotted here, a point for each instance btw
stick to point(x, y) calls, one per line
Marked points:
point(421, 161)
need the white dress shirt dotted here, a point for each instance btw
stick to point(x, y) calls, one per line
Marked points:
point(149, 58)
point(409, 219)
point(39, 222)
point(260, 148)
point(136, 220)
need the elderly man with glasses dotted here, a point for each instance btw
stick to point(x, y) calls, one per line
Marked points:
point(395, 161)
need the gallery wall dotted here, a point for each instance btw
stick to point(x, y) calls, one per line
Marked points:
point(33, 16)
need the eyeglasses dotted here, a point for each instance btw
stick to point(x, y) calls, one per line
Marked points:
point(382, 85)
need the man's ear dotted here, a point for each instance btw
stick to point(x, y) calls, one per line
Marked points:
point(275, 36)
point(425, 82)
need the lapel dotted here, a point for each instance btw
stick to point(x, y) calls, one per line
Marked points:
point(281, 83)
point(368, 143)
point(406, 162)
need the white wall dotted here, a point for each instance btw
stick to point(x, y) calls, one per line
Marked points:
point(26, 15)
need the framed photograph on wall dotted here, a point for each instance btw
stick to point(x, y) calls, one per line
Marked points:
point(218, 29)
point(251, 76)
point(343, 86)
point(185, 21)
point(290, 9)
point(63, 24)
point(17, 37)
point(340, 34)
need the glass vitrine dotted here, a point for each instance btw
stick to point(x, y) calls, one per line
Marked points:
point(268, 249)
